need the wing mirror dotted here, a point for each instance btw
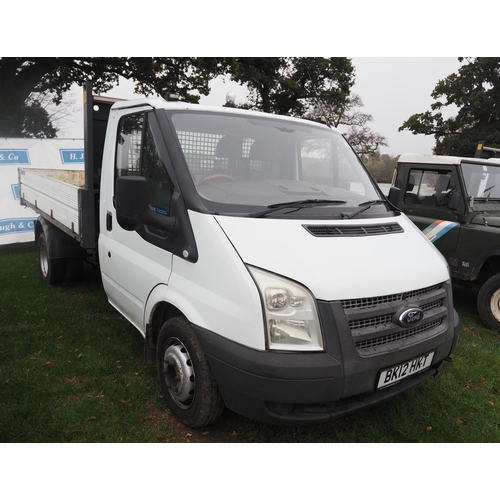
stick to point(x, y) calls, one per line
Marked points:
point(132, 207)
point(393, 195)
point(454, 201)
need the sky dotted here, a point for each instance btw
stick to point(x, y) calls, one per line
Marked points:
point(394, 88)
point(391, 89)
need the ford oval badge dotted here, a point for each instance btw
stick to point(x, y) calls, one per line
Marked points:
point(411, 317)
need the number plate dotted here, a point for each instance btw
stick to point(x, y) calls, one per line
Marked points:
point(397, 373)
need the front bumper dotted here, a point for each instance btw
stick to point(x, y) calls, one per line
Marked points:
point(308, 387)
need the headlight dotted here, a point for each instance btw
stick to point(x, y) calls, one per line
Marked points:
point(291, 316)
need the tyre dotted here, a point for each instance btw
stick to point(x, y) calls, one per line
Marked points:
point(186, 381)
point(488, 302)
point(51, 270)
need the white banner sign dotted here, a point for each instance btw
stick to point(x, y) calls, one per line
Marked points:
point(16, 221)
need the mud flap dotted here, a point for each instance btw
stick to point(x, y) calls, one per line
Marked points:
point(149, 347)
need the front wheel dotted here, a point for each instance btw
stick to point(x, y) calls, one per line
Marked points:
point(186, 382)
point(488, 302)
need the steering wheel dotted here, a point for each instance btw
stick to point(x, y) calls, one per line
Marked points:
point(214, 177)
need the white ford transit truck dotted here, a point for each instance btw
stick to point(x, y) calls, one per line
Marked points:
point(260, 261)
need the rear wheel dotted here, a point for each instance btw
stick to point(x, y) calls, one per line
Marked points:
point(51, 270)
point(186, 382)
point(488, 302)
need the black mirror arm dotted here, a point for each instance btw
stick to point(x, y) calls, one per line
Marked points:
point(393, 197)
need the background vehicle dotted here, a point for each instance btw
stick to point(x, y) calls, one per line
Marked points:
point(456, 203)
point(255, 255)
point(483, 151)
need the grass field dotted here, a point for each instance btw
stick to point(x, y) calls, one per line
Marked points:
point(71, 371)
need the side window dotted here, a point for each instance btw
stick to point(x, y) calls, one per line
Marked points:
point(160, 187)
point(128, 148)
point(428, 187)
point(137, 154)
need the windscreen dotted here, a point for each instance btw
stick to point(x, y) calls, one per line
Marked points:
point(482, 181)
point(241, 163)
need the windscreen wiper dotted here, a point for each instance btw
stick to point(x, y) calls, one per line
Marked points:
point(486, 200)
point(486, 191)
point(295, 204)
point(364, 206)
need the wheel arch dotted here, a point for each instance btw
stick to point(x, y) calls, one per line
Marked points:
point(162, 313)
point(488, 265)
point(38, 229)
point(158, 310)
point(59, 244)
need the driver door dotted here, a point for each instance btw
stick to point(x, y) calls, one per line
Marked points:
point(425, 201)
point(135, 262)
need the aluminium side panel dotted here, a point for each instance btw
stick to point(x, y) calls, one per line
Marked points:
point(54, 195)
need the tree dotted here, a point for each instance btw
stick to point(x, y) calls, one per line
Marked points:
point(347, 115)
point(282, 85)
point(290, 85)
point(21, 78)
point(380, 166)
point(20, 114)
point(52, 119)
point(186, 76)
point(475, 90)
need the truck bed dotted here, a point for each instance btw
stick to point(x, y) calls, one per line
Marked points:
point(53, 194)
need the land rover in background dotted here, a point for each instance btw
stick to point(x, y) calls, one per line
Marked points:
point(456, 203)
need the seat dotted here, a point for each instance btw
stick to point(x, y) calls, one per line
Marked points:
point(410, 197)
point(263, 155)
point(230, 149)
point(441, 190)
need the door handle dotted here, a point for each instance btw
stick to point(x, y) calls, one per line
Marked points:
point(109, 221)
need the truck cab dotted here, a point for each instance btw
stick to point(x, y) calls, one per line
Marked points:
point(260, 244)
point(456, 203)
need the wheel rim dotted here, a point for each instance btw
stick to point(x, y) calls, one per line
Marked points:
point(44, 260)
point(495, 304)
point(178, 373)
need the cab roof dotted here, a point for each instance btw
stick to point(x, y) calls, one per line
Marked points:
point(159, 103)
point(442, 160)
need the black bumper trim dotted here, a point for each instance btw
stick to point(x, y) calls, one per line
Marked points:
point(296, 388)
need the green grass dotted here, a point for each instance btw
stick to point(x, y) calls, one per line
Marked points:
point(71, 370)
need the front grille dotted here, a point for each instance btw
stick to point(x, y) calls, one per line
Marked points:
point(387, 318)
point(387, 339)
point(368, 322)
point(373, 320)
point(386, 299)
point(365, 230)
